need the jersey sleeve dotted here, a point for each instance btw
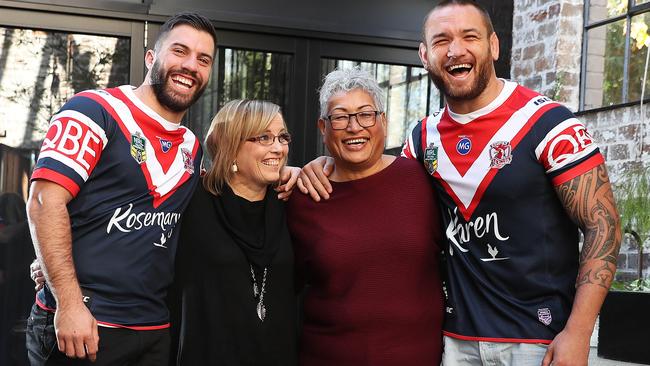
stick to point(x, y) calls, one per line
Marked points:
point(566, 149)
point(413, 144)
point(73, 144)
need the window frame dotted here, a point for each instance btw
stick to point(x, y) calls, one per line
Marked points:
point(632, 10)
point(134, 30)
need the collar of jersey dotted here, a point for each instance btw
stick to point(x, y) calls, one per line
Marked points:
point(508, 88)
point(167, 125)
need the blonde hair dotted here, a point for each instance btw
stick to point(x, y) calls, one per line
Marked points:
point(235, 122)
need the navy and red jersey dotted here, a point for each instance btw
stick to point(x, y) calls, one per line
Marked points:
point(131, 174)
point(512, 251)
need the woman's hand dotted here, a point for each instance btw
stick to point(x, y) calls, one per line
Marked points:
point(36, 274)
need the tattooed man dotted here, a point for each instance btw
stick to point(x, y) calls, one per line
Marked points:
point(517, 175)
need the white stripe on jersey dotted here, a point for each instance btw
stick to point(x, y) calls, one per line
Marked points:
point(78, 116)
point(465, 186)
point(553, 136)
point(163, 182)
point(70, 163)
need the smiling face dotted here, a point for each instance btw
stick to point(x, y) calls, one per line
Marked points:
point(459, 53)
point(180, 67)
point(257, 165)
point(355, 149)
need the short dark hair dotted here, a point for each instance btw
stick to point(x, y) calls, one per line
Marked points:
point(194, 20)
point(484, 13)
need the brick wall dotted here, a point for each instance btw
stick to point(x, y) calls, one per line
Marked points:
point(546, 56)
point(546, 44)
point(617, 132)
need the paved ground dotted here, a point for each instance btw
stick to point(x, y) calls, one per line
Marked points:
point(594, 360)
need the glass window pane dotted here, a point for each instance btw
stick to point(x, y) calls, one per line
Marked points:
point(603, 9)
point(383, 73)
point(40, 70)
point(409, 94)
point(605, 60)
point(639, 2)
point(435, 100)
point(417, 101)
point(396, 116)
point(397, 75)
point(639, 42)
point(239, 74)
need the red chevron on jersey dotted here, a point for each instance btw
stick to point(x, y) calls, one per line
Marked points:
point(163, 171)
point(465, 175)
point(165, 148)
point(475, 135)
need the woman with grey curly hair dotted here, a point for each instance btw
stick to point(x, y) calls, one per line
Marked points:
point(368, 255)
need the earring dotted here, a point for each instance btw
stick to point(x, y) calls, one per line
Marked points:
point(233, 167)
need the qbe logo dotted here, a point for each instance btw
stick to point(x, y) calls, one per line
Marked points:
point(75, 141)
point(464, 146)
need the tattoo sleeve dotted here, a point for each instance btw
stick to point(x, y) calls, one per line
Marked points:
point(589, 201)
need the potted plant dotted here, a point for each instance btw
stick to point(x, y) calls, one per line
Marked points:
point(624, 324)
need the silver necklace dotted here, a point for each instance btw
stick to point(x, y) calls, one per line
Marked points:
point(258, 293)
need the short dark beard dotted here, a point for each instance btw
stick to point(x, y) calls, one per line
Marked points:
point(474, 91)
point(159, 83)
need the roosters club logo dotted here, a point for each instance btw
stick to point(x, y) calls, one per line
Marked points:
point(500, 154)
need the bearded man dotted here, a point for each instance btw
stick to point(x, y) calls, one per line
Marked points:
point(114, 174)
point(517, 175)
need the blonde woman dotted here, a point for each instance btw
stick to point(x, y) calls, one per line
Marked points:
point(235, 260)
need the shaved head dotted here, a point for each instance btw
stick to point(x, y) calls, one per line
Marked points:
point(484, 14)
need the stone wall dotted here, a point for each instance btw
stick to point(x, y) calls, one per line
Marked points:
point(546, 56)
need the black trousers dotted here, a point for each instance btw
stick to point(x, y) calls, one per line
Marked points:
point(117, 346)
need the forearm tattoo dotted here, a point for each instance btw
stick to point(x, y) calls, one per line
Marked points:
point(590, 202)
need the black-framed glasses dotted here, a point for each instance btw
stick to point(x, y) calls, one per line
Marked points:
point(365, 119)
point(267, 139)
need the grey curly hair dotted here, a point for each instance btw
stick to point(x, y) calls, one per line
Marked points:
point(347, 80)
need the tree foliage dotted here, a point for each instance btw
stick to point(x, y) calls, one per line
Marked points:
point(633, 203)
point(614, 67)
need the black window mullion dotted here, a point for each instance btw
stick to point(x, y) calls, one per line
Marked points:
point(603, 22)
point(641, 8)
point(626, 58)
point(583, 61)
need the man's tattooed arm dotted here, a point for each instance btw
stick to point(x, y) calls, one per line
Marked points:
point(589, 201)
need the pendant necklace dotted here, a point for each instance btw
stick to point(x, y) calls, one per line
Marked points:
point(258, 293)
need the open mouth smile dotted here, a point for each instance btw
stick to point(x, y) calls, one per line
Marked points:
point(183, 81)
point(271, 162)
point(459, 70)
point(356, 141)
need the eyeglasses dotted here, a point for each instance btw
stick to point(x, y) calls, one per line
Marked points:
point(267, 139)
point(365, 119)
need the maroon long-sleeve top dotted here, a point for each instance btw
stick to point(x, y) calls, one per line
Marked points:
point(370, 259)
